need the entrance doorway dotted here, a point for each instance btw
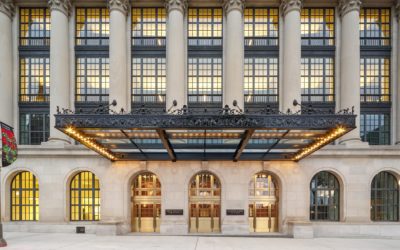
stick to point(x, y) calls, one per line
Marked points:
point(146, 203)
point(263, 204)
point(204, 203)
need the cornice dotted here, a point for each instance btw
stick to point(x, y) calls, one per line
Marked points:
point(63, 6)
point(290, 5)
point(119, 5)
point(230, 5)
point(345, 6)
point(7, 7)
point(180, 5)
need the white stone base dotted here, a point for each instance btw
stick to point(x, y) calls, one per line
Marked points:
point(352, 230)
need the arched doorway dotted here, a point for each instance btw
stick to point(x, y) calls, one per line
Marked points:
point(263, 203)
point(146, 203)
point(204, 203)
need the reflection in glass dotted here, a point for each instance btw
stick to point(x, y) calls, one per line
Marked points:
point(375, 27)
point(317, 79)
point(148, 26)
point(85, 197)
point(375, 128)
point(92, 26)
point(261, 26)
point(261, 80)
point(205, 80)
point(205, 27)
point(148, 80)
point(24, 197)
point(33, 128)
point(318, 26)
point(34, 79)
point(34, 27)
point(375, 79)
point(384, 197)
point(92, 79)
point(324, 197)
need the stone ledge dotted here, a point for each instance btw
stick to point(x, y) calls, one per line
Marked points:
point(301, 229)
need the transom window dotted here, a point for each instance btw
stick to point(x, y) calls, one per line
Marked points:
point(261, 80)
point(34, 127)
point(325, 193)
point(148, 79)
point(261, 26)
point(375, 27)
point(92, 26)
point(317, 79)
point(147, 184)
point(318, 26)
point(24, 197)
point(375, 79)
point(375, 128)
point(34, 27)
point(34, 79)
point(205, 184)
point(92, 79)
point(85, 197)
point(384, 197)
point(148, 26)
point(205, 27)
point(205, 80)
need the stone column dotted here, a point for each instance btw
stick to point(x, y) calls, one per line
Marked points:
point(350, 63)
point(234, 63)
point(118, 53)
point(291, 84)
point(398, 73)
point(7, 11)
point(59, 63)
point(176, 68)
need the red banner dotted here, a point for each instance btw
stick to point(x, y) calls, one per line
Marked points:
point(9, 145)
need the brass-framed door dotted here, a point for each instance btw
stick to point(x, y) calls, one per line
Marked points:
point(146, 217)
point(205, 217)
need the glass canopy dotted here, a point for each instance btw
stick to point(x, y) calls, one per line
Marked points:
point(227, 134)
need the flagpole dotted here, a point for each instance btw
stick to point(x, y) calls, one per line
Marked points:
point(3, 242)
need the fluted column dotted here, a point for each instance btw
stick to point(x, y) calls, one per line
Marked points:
point(350, 63)
point(234, 62)
point(119, 53)
point(398, 73)
point(7, 11)
point(59, 62)
point(291, 84)
point(176, 52)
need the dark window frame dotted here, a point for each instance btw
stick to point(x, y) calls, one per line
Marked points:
point(261, 41)
point(21, 190)
point(207, 43)
point(45, 131)
point(327, 41)
point(149, 42)
point(365, 41)
point(375, 111)
point(333, 208)
point(84, 41)
point(385, 191)
point(42, 42)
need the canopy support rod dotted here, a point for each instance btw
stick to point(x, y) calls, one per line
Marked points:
point(243, 143)
point(276, 143)
point(134, 144)
point(167, 144)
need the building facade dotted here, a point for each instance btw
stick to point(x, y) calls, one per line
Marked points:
point(77, 55)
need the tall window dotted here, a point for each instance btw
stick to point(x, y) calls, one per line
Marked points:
point(205, 57)
point(92, 26)
point(148, 57)
point(85, 197)
point(324, 197)
point(375, 75)
point(92, 79)
point(385, 197)
point(318, 56)
point(34, 27)
point(92, 32)
point(261, 34)
point(34, 75)
point(24, 197)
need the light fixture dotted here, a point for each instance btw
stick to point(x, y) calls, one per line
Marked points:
point(90, 143)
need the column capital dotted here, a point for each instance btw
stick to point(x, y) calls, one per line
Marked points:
point(234, 5)
point(345, 6)
point(180, 5)
point(120, 5)
point(7, 7)
point(290, 5)
point(63, 6)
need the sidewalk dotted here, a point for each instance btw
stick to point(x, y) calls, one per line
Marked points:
point(25, 241)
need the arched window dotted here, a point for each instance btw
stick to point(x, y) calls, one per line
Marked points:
point(25, 197)
point(324, 200)
point(384, 197)
point(85, 197)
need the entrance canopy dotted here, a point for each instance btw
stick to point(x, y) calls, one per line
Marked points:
point(226, 134)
